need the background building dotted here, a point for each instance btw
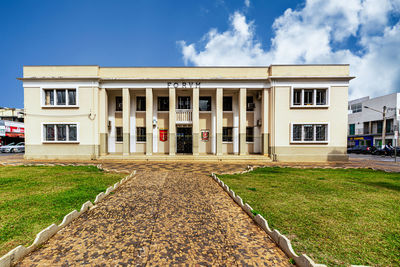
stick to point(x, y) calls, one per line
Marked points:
point(282, 112)
point(11, 125)
point(366, 124)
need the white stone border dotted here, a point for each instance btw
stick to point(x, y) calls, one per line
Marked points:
point(282, 241)
point(16, 254)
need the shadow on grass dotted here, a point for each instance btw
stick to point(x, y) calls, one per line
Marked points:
point(383, 185)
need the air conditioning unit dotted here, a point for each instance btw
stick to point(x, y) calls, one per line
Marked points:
point(251, 106)
point(259, 122)
point(259, 95)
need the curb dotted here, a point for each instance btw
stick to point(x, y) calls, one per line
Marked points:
point(16, 254)
point(282, 241)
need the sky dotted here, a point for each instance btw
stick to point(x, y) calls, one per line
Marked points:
point(362, 33)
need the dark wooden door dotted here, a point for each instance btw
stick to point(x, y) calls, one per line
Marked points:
point(184, 140)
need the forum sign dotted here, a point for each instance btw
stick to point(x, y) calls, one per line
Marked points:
point(183, 85)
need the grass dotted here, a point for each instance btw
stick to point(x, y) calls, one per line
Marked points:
point(336, 216)
point(32, 198)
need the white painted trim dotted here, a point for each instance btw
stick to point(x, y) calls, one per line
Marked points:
point(309, 142)
point(59, 84)
point(55, 133)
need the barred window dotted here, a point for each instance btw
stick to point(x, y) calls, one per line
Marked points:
point(227, 134)
point(297, 132)
point(308, 97)
point(205, 103)
point(320, 132)
point(309, 132)
point(141, 134)
point(60, 132)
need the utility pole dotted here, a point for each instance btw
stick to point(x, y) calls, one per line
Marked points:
point(384, 126)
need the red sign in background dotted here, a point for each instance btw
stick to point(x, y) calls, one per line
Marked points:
point(163, 135)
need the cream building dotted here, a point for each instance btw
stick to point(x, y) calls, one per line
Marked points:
point(280, 112)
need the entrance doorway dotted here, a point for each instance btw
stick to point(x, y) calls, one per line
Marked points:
point(184, 140)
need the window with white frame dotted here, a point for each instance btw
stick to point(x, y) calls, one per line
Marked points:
point(59, 97)
point(60, 132)
point(309, 97)
point(309, 132)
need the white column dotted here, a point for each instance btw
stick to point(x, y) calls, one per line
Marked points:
point(235, 109)
point(103, 121)
point(149, 121)
point(219, 115)
point(133, 124)
point(242, 121)
point(172, 122)
point(265, 121)
point(196, 121)
point(126, 106)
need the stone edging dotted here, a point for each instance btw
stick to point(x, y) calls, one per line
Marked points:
point(16, 254)
point(282, 241)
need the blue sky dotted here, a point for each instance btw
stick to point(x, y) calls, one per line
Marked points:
point(364, 33)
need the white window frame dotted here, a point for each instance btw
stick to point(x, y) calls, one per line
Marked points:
point(66, 88)
point(315, 88)
point(314, 129)
point(60, 142)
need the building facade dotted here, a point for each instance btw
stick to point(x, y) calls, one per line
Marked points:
point(366, 120)
point(11, 125)
point(280, 112)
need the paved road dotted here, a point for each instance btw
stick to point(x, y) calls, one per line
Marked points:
point(373, 157)
point(162, 218)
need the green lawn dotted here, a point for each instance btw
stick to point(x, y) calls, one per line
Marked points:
point(32, 198)
point(336, 216)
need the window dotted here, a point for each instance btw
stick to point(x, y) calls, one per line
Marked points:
point(120, 137)
point(49, 97)
point(227, 134)
point(205, 103)
point(249, 103)
point(297, 97)
point(163, 103)
point(309, 133)
point(183, 102)
point(320, 132)
point(321, 97)
point(140, 103)
point(60, 132)
point(141, 134)
point(118, 103)
point(72, 97)
point(355, 108)
point(249, 134)
point(352, 129)
point(297, 132)
point(227, 103)
point(309, 97)
point(59, 97)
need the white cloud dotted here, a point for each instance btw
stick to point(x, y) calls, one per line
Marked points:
point(247, 3)
point(311, 35)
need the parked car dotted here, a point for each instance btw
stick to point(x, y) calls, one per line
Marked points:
point(13, 148)
point(361, 149)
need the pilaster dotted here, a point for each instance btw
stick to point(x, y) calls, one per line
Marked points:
point(242, 121)
point(149, 121)
point(172, 122)
point(219, 115)
point(195, 121)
